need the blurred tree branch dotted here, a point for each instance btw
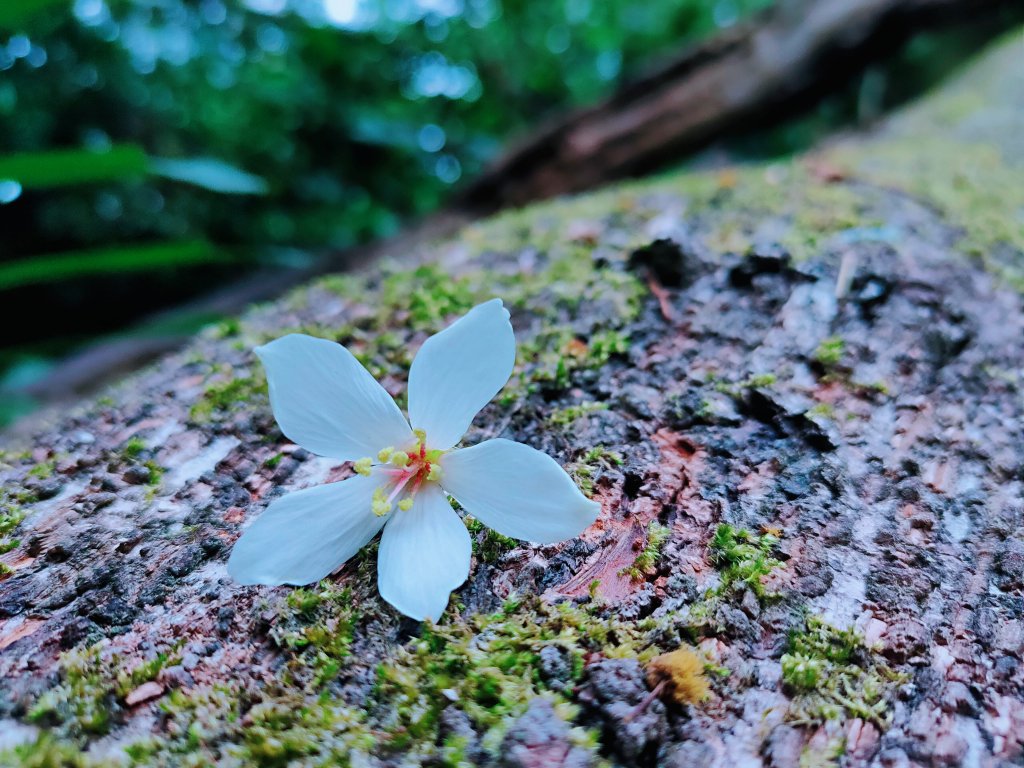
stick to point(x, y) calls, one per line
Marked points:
point(756, 74)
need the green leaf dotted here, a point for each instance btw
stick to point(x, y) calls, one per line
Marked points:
point(62, 266)
point(209, 173)
point(65, 167)
point(14, 12)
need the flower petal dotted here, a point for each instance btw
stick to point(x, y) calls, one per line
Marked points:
point(518, 491)
point(424, 555)
point(327, 402)
point(458, 371)
point(303, 536)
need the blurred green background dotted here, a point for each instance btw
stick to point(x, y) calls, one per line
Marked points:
point(151, 150)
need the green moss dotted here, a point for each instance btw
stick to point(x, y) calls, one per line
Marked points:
point(601, 455)
point(603, 346)
point(489, 545)
point(834, 676)
point(156, 472)
point(46, 752)
point(555, 354)
point(43, 469)
point(830, 352)
point(657, 535)
point(227, 328)
point(133, 448)
point(825, 755)
point(89, 697)
point(225, 396)
point(145, 672)
point(292, 719)
point(490, 667)
point(583, 469)
point(10, 518)
point(317, 625)
point(564, 417)
point(429, 295)
point(736, 389)
point(196, 723)
point(486, 665)
point(134, 452)
point(822, 411)
point(84, 701)
point(810, 209)
point(279, 733)
point(874, 387)
point(760, 380)
point(743, 558)
point(273, 727)
point(13, 502)
point(453, 752)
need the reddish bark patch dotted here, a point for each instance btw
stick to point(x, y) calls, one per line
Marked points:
point(625, 533)
point(606, 567)
point(24, 629)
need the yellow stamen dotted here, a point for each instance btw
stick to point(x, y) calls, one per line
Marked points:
point(434, 474)
point(363, 466)
point(380, 504)
point(400, 459)
point(405, 504)
point(385, 454)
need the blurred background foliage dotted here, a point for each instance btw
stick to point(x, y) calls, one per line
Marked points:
point(151, 150)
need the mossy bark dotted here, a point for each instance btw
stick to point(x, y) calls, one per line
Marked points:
point(796, 390)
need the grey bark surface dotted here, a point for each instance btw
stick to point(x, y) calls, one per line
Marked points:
point(824, 359)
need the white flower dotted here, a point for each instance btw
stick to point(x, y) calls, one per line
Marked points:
point(325, 401)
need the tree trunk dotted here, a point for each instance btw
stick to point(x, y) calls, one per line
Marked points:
point(796, 391)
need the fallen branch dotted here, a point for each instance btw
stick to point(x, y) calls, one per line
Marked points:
point(761, 72)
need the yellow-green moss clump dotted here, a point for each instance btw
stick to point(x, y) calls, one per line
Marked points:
point(743, 558)
point(488, 544)
point(657, 536)
point(490, 667)
point(593, 460)
point(833, 675)
point(47, 752)
point(14, 503)
point(91, 693)
point(227, 391)
point(487, 666)
point(11, 515)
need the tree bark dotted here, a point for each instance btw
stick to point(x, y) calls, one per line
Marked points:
point(796, 391)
